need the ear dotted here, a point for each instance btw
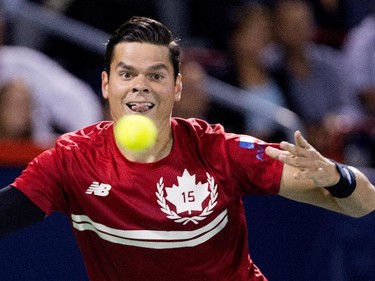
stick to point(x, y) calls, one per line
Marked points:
point(105, 79)
point(178, 87)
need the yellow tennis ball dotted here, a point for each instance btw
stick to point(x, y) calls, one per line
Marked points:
point(135, 132)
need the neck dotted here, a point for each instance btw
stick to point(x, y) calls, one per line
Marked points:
point(160, 150)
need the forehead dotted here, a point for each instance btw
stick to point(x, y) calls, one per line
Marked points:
point(140, 55)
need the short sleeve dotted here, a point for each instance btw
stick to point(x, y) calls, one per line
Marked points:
point(41, 181)
point(257, 172)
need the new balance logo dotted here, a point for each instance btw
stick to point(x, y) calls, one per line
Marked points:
point(99, 189)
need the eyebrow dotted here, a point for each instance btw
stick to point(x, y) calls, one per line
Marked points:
point(123, 65)
point(156, 67)
point(160, 66)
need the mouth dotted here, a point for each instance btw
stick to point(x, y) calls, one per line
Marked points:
point(140, 106)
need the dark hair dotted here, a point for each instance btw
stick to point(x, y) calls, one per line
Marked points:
point(144, 30)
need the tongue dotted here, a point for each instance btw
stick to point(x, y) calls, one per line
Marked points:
point(140, 107)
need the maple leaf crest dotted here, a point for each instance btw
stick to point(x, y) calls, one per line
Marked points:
point(187, 196)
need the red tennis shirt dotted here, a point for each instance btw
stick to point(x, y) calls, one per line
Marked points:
point(180, 218)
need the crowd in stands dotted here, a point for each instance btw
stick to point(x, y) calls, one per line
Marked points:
point(307, 56)
point(315, 58)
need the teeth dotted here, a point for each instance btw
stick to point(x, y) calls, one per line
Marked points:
point(140, 106)
point(140, 103)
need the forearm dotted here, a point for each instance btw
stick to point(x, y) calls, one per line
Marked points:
point(359, 203)
point(362, 201)
point(17, 211)
point(312, 178)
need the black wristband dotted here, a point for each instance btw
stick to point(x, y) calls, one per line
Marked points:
point(347, 183)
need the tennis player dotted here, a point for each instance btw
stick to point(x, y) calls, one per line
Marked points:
point(173, 212)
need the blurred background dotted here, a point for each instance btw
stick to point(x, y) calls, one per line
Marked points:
point(264, 68)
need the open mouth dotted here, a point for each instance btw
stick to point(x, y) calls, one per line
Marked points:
point(140, 106)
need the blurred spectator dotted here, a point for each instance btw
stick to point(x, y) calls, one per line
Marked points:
point(194, 100)
point(311, 77)
point(15, 111)
point(250, 35)
point(104, 15)
point(16, 144)
point(60, 101)
point(331, 23)
point(359, 50)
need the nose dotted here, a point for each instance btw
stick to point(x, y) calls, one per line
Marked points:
point(140, 84)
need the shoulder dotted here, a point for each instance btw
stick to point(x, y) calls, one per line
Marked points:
point(76, 149)
point(92, 136)
point(209, 137)
point(197, 126)
point(196, 135)
point(203, 129)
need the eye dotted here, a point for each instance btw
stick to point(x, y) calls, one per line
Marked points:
point(156, 77)
point(126, 75)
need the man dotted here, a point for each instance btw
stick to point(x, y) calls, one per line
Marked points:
point(173, 212)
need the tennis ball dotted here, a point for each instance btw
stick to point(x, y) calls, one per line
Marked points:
point(135, 132)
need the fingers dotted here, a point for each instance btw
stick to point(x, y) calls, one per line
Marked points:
point(301, 147)
point(309, 163)
point(300, 140)
point(300, 155)
point(273, 152)
point(294, 150)
point(297, 155)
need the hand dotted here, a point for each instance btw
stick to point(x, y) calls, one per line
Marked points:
point(309, 162)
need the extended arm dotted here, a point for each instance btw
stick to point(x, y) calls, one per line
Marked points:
point(306, 174)
point(17, 211)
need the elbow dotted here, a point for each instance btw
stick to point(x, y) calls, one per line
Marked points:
point(357, 215)
point(359, 212)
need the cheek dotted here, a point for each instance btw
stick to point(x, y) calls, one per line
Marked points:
point(115, 90)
